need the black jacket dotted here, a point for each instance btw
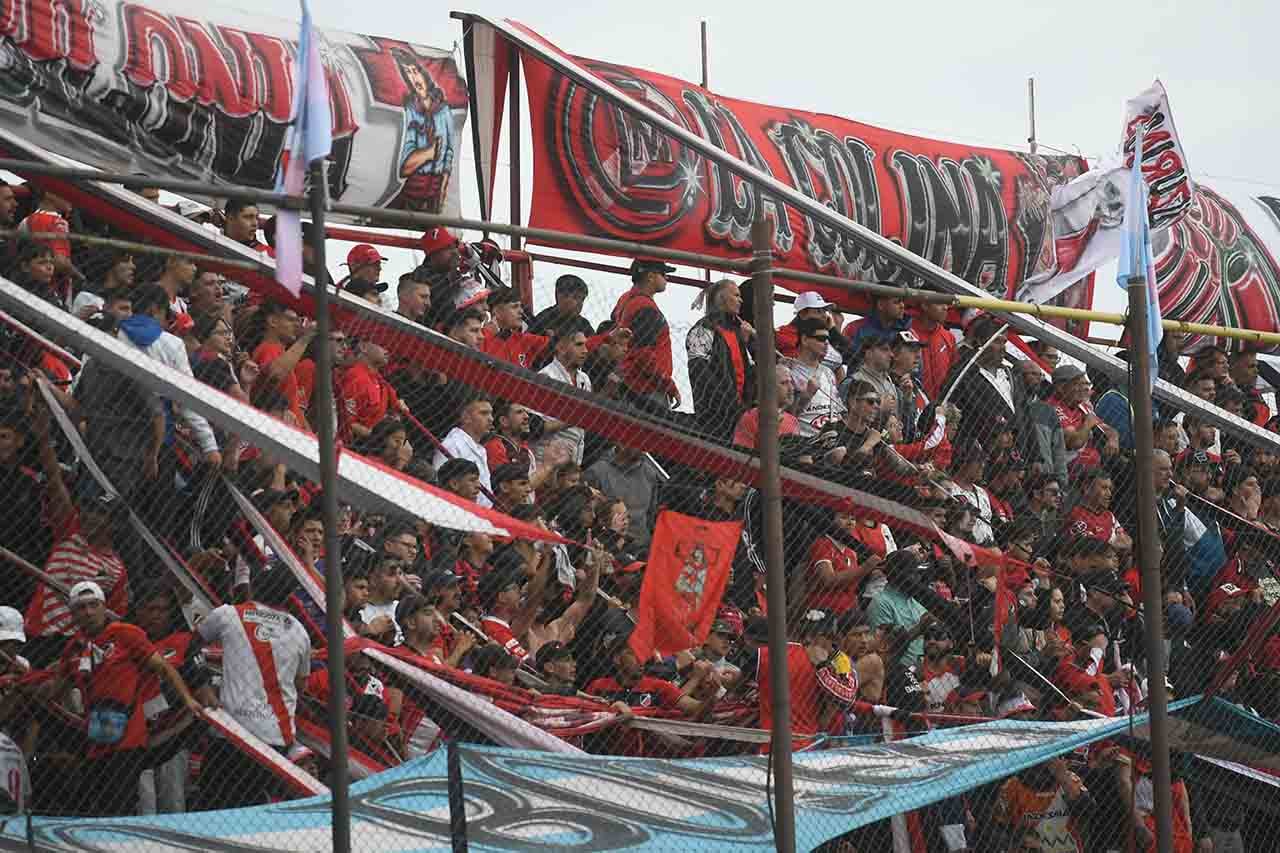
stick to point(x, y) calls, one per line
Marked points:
point(717, 405)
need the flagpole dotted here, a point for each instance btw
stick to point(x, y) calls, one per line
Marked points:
point(1149, 560)
point(340, 806)
point(784, 830)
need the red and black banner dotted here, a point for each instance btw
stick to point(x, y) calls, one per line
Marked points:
point(978, 212)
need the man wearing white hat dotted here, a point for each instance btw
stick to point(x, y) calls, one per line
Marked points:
point(809, 305)
point(106, 660)
point(13, 637)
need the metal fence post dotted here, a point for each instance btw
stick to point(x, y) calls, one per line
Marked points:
point(457, 801)
point(340, 805)
point(784, 836)
point(1149, 562)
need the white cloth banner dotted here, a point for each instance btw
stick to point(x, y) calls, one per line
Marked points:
point(1088, 212)
point(205, 92)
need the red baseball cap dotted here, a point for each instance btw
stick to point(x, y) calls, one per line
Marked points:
point(435, 239)
point(363, 254)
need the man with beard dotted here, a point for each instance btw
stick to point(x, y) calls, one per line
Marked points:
point(939, 670)
point(441, 273)
point(509, 443)
point(985, 393)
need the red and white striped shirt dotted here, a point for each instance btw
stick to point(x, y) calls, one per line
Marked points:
point(73, 560)
point(499, 630)
point(264, 653)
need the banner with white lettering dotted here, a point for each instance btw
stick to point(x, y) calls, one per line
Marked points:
point(204, 93)
point(979, 212)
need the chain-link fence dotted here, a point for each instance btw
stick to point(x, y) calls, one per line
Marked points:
point(548, 543)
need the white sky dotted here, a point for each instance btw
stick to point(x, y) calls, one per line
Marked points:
point(949, 70)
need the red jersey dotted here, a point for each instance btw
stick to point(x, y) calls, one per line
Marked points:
point(268, 352)
point(73, 560)
point(804, 693)
point(516, 347)
point(499, 630)
point(366, 396)
point(500, 450)
point(110, 668)
point(786, 339)
point(937, 355)
point(646, 369)
point(1072, 418)
point(1096, 525)
point(1074, 680)
point(842, 559)
point(173, 649)
point(748, 429)
point(48, 222)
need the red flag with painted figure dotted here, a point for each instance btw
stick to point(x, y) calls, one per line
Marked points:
point(688, 569)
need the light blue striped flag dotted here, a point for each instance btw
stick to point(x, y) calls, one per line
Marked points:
point(1135, 252)
point(310, 140)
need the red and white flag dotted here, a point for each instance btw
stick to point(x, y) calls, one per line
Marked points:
point(1089, 212)
point(689, 563)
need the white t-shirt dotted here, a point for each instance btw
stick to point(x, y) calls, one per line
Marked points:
point(462, 446)
point(372, 611)
point(574, 437)
point(14, 778)
point(264, 652)
point(825, 407)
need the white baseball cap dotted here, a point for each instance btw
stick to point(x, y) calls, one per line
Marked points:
point(86, 590)
point(811, 299)
point(11, 625)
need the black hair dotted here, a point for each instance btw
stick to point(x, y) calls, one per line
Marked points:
point(234, 206)
point(150, 296)
point(807, 326)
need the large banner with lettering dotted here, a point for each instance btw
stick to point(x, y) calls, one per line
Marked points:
point(204, 92)
point(979, 212)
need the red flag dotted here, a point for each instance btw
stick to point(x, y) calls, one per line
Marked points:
point(688, 568)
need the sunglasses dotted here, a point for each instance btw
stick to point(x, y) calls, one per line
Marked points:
point(821, 337)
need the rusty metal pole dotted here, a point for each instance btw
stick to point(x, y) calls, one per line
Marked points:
point(784, 831)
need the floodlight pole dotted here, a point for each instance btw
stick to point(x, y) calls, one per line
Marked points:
point(784, 833)
point(1149, 562)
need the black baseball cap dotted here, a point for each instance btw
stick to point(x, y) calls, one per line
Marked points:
point(643, 265)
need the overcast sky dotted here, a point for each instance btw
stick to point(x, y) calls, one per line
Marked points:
point(949, 70)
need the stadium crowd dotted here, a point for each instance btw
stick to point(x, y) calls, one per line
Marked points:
point(106, 669)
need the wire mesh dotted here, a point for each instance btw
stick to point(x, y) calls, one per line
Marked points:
point(980, 690)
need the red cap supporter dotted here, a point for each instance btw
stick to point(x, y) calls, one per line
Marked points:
point(107, 661)
point(436, 239)
point(363, 254)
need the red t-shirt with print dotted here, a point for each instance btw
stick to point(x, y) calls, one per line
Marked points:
point(110, 668)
